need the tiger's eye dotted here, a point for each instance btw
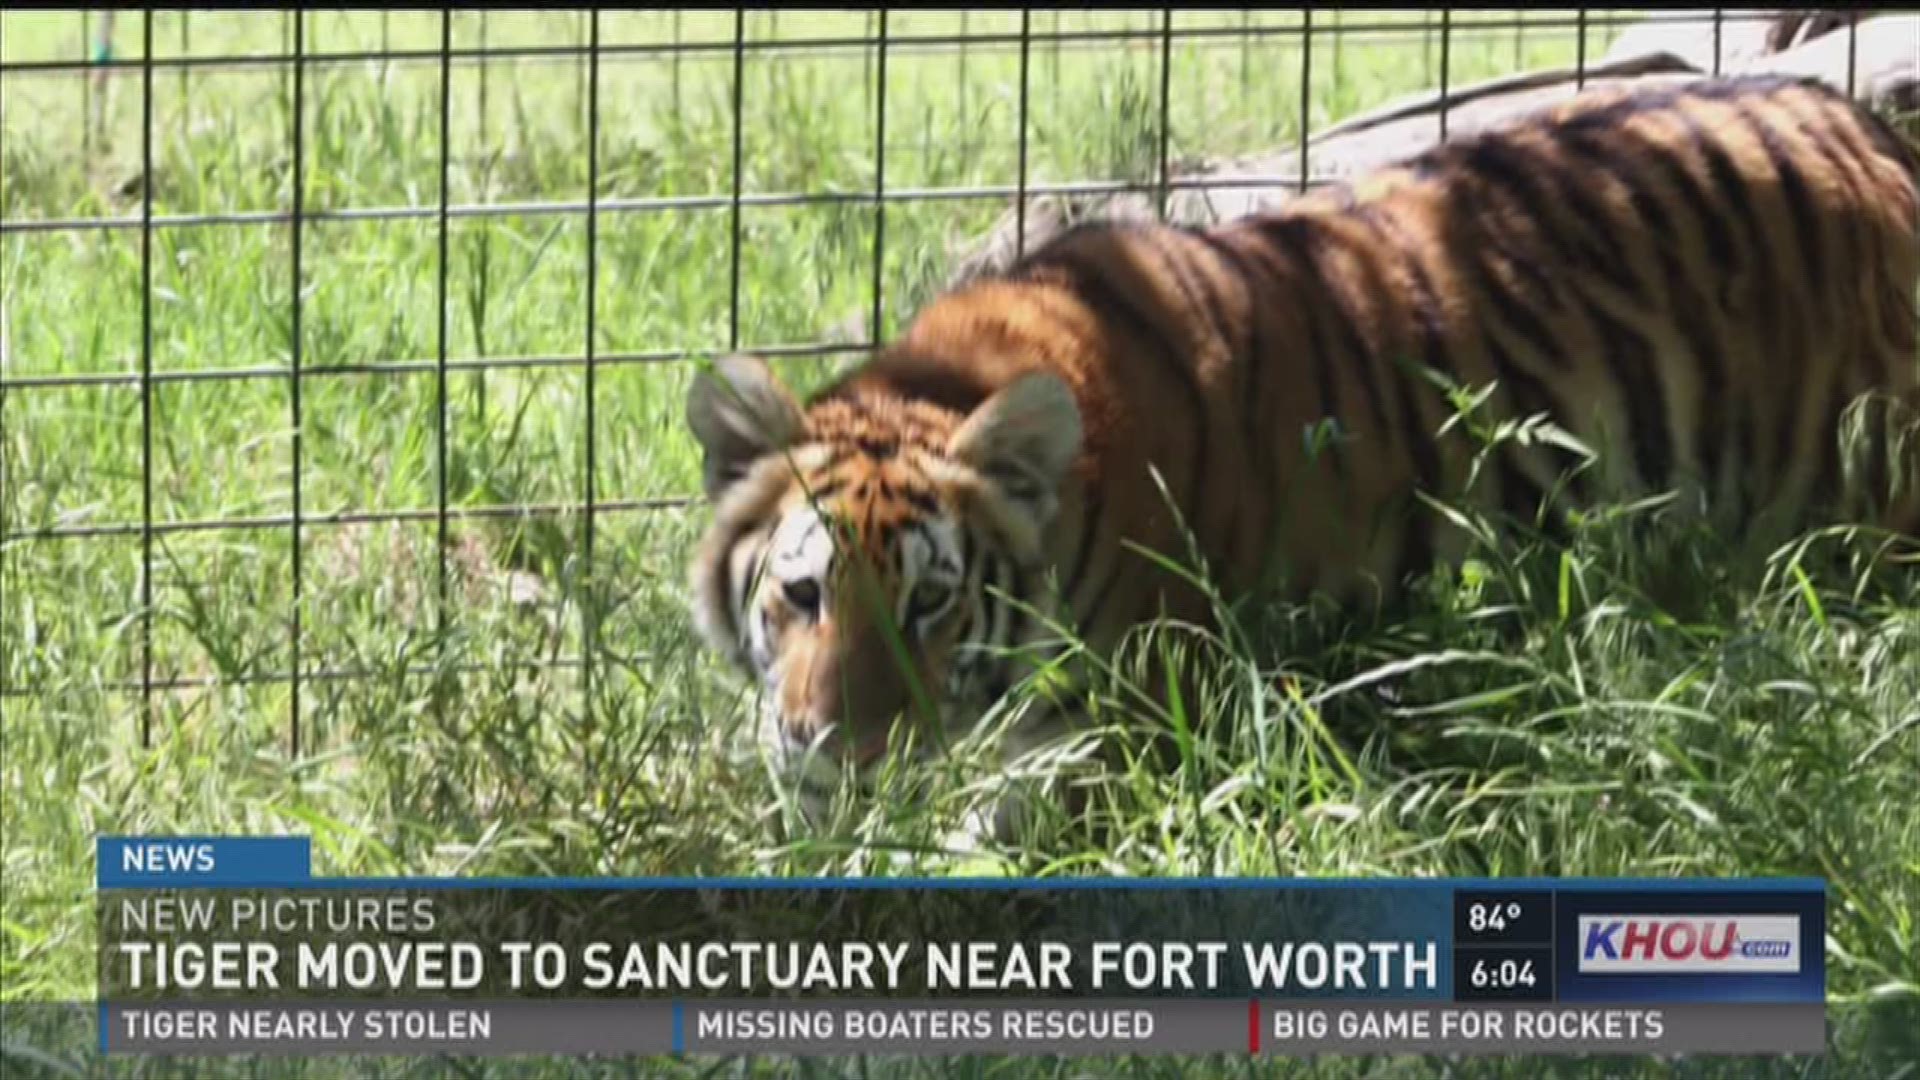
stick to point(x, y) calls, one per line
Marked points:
point(803, 594)
point(928, 597)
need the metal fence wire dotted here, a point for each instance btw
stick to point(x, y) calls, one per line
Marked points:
point(94, 72)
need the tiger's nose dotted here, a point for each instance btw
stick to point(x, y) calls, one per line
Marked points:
point(812, 737)
point(802, 734)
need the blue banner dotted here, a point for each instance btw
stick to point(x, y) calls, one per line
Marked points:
point(172, 862)
point(231, 944)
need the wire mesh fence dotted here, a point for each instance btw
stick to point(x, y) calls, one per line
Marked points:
point(892, 134)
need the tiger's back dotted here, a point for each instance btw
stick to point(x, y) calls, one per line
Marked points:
point(1695, 283)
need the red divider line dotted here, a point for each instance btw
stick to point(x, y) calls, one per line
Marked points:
point(1253, 1025)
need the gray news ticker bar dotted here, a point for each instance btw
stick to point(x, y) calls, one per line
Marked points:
point(1006, 1026)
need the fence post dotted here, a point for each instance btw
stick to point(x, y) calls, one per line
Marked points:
point(589, 593)
point(1163, 176)
point(733, 203)
point(1020, 179)
point(146, 382)
point(875, 332)
point(298, 121)
point(1306, 92)
point(441, 537)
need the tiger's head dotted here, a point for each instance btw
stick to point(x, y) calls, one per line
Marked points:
point(864, 550)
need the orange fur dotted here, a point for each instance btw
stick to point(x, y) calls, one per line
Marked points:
point(1694, 283)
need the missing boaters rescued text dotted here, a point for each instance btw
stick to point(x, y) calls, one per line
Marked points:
point(928, 1024)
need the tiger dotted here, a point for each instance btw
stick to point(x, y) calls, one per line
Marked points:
point(1703, 286)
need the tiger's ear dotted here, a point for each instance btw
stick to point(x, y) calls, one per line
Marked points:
point(1023, 438)
point(740, 413)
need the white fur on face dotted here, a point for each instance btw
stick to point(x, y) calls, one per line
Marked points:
point(929, 552)
point(800, 549)
point(801, 546)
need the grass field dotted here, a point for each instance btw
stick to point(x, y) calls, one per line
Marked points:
point(1618, 708)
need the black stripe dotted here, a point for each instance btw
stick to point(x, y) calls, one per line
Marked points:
point(1701, 207)
point(1794, 396)
point(1636, 102)
point(1827, 480)
point(1049, 253)
point(1493, 161)
point(922, 501)
point(1253, 358)
point(1242, 349)
point(1749, 477)
point(1598, 232)
point(1538, 292)
point(1089, 526)
point(993, 588)
point(1835, 149)
point(1793, 187)
point(1090, 280)
point(1631, 360)
point(1416, 541)
point(1687, 305)
point(1523, 500)
point(732, 603)
point(1732, 188)
point(978, 631)
point(1707, 211)
point(1256, 439)
point(1733, 191)
point(1302, 237)
point(1901, 308)
point(1620, 163)
point(1347, 321)
point(1282, 279)
point(1888, 142)
point(1880, 448)
point(1090, 619)
point(1018, 613)
point(1197, 296)
point(1531, 396)
point(825, 490)
point(737, 612)
point(1853, 170)
point(1608, 117)
point(1177, 262)
point(1776, 315)
point(1522, 313)
point(968, 549)
point(1426, 299)
point(1582, 236)
point(1614, 113)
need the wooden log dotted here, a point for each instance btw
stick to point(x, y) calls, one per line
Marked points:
point(1743, 37)
point(1883, 62)
point(1353, 147)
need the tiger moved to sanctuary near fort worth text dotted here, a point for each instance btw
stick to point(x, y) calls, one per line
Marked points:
point(1707, 286)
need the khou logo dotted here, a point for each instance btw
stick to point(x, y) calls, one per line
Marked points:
point(1730, 944)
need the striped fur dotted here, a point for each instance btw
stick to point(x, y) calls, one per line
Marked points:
point(1694, 282)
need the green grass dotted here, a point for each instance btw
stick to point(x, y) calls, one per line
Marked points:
point(1616, 709)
